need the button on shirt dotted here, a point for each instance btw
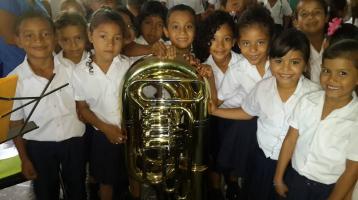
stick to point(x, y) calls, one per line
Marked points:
point(56, 113)
point(323, 146)
point(102, 91)
point(239, 81)
point(219, 77)
point(265, 102)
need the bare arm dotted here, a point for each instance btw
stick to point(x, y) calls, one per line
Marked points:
point(286, 152)
point(113, 133)
point(134, 49)
point(346, 181)
point(230, 113)
point(27, 167)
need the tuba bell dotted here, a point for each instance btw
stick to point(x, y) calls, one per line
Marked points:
point(165, 115)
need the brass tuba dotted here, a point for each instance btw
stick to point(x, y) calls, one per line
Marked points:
point(164, 114)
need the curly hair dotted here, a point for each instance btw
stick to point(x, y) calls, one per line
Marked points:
point(207, 30)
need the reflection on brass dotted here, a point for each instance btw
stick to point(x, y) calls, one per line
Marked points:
point(165, 113)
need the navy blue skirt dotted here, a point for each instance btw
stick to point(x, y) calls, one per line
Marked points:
point(232, 143)
point(107, 160)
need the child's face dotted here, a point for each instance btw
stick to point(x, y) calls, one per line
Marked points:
point(107, 40)
point(130, 28)
point(181, 29)
point(72, 40)
point(234, 6)
point(311, 17)
point(222, 43)
point(152, 29)
point(37, 38)
point(254, 44)
point(338, 78)
point(288, 69)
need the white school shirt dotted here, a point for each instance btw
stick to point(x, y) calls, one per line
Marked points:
point(219, 77)
point(216, 3)
point(56, 113)
point(239, 81)
point(324, 145)
point(272, 125)
point(315, 62)
point(68, 63)
point(102, 92)
point(197, 5)
point(279, 10)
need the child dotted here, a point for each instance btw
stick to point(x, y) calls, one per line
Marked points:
point(216, 49)
point(322, 139)
point(58, 142)
point(129, 21)
point(338, 31)
point(273, 100)
point(71, 29)
point(151, 20)
point(280, 11)
point(311, 18)
point(97, 84)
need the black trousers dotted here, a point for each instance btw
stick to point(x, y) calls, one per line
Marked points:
point(48, 158)
point(304, 188)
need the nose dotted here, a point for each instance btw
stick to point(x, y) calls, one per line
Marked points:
point(253, 48)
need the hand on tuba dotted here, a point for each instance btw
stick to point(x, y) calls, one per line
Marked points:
point(114, 134)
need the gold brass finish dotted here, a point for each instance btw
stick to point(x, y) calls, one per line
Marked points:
point(165, 113)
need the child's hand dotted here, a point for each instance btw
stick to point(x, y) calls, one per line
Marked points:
point(281, 188)
point(192, 60)
point(159, 49)
point(115, 134)
point(28, 169)
point(212, 107)
point(205, 70)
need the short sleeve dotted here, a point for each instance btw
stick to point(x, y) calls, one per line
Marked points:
point(251, 104)
point(287, 11)
point(76, 85)
point(352, 150)
point(295, 117)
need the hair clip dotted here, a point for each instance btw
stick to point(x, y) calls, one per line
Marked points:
point(334, 25)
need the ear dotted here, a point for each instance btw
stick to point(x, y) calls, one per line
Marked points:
point(166, 33)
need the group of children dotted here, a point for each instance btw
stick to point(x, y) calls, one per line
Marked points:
point(268, 111)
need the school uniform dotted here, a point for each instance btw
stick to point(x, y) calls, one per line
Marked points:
point(315, 62)
point(272, 126)
point(280, 9)
point(197, 5)
point(230, 140)
point(58, 140)
point(102, 93)
point(323, 146)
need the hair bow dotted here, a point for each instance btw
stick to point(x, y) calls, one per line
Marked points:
point(334, 25)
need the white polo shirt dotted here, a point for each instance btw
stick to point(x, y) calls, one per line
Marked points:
point(323, 146)
point(102, 92)
point(68, 63)
point(219, 77)
point(239, 81)
point(56, 113)
point(315, 62)
point(272, 125)
point(279, 10)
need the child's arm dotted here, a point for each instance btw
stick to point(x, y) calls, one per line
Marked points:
point(286, 152)
point(133, 49)
point(346, 181)
point(229, 113)
point(113, 133)
point(27, 167)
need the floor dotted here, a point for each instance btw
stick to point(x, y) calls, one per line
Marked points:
point(21, 191)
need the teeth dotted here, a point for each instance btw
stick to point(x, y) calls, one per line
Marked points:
point(332, 87)
point(285, 75)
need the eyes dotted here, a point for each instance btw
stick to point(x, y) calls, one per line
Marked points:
point(292, 62)
point(315, 13)
point(225, 39)
point(106, 37)
point(259, 43)
point(341, 73)
point(33, 35)
point(177, 27)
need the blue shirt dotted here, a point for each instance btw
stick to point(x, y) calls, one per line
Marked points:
point(11, 55)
